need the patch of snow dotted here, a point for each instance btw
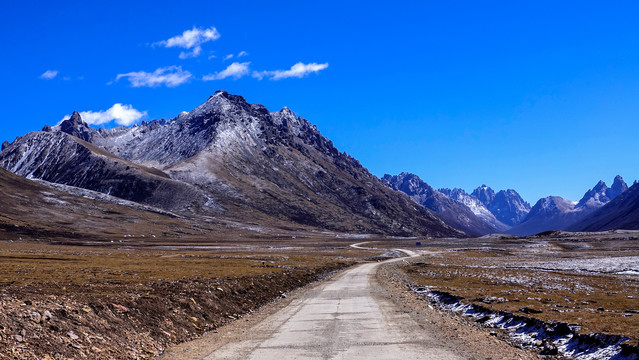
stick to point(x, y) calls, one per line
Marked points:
point(533, 333)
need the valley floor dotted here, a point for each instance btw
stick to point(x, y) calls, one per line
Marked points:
point(350, 316)
point(132, 301)
point(106, 302)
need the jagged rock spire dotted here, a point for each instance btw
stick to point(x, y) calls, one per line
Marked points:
point(77, 127)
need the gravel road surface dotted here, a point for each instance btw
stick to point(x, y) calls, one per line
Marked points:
point(349, 316)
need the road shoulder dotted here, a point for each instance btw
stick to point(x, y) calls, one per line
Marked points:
point(463, 336)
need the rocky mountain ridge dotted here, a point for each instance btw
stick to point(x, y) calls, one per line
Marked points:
point(477, 207)
point(557, 213)
point(225, 158)
point(506, 206)
point(451, 211)
point(622, 212)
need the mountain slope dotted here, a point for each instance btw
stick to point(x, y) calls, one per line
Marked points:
point(620, 213)
point(556, 213)
point(601, 194)
point(549, 213)
point(34, 210)
point(476, 207)
point(450, 211)
point(506, 205)
point(230, 159)
point(60, 158)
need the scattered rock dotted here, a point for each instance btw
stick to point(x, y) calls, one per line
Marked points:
point(527, 310)
point(120, 309)
point(35, 316)
point(18, 338)
point(47, 315)
point(72, 335)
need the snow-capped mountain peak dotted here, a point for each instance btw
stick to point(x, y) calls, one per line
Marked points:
point(452, 211)
point(601, 194)
point(484, 194)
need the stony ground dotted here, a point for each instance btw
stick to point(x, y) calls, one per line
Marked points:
point(124, 302)
point(588, 282)
point(69, 302)
point(473, 340)
point(359, 313)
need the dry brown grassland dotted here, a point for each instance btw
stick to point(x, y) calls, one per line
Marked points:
point(62, 301)
point(588, 281)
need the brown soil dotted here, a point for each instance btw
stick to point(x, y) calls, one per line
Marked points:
point(464, 335)
point(503, 275)
point(63, 302)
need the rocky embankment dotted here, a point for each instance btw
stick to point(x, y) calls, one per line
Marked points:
point(132, 321)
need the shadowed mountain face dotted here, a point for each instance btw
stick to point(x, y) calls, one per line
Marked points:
point(453, 212)
point(549, 213)
point(557, 213)
point(601, 194)
point(507, 206)
point(37, 210)
point(476, 207)
point(226, 158)
point(620, 213)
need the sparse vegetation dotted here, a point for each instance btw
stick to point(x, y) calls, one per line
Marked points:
point(96, 302)
point(556, 280)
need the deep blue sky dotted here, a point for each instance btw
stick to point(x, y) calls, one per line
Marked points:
point(542, 98)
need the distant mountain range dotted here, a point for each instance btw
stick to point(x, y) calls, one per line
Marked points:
point(453, 212)
point(227, 159)
point(238, 163)
point(476, 206)
point(507, 206)
point(622, 212)
point(557, 213)
point(476, 213)
point(601, 208)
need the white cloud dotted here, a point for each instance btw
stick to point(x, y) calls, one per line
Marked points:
point(242, 53)
point(298, 70)
point(190, 54)
point(49, 74)
point(235, 70)
point(121, 114)
point(170, 76)
point(191, 39)
point(229, 56)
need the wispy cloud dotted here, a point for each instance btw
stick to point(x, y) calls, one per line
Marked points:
point(170, 76)
point(242, 53)
point(191, 40)
point(298, 70)
point(49, 74)
point(121, 114)
point(235, 70)
point(190, 54)
point(229, 56)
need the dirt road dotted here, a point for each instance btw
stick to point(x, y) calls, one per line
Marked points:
point(347, 317)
